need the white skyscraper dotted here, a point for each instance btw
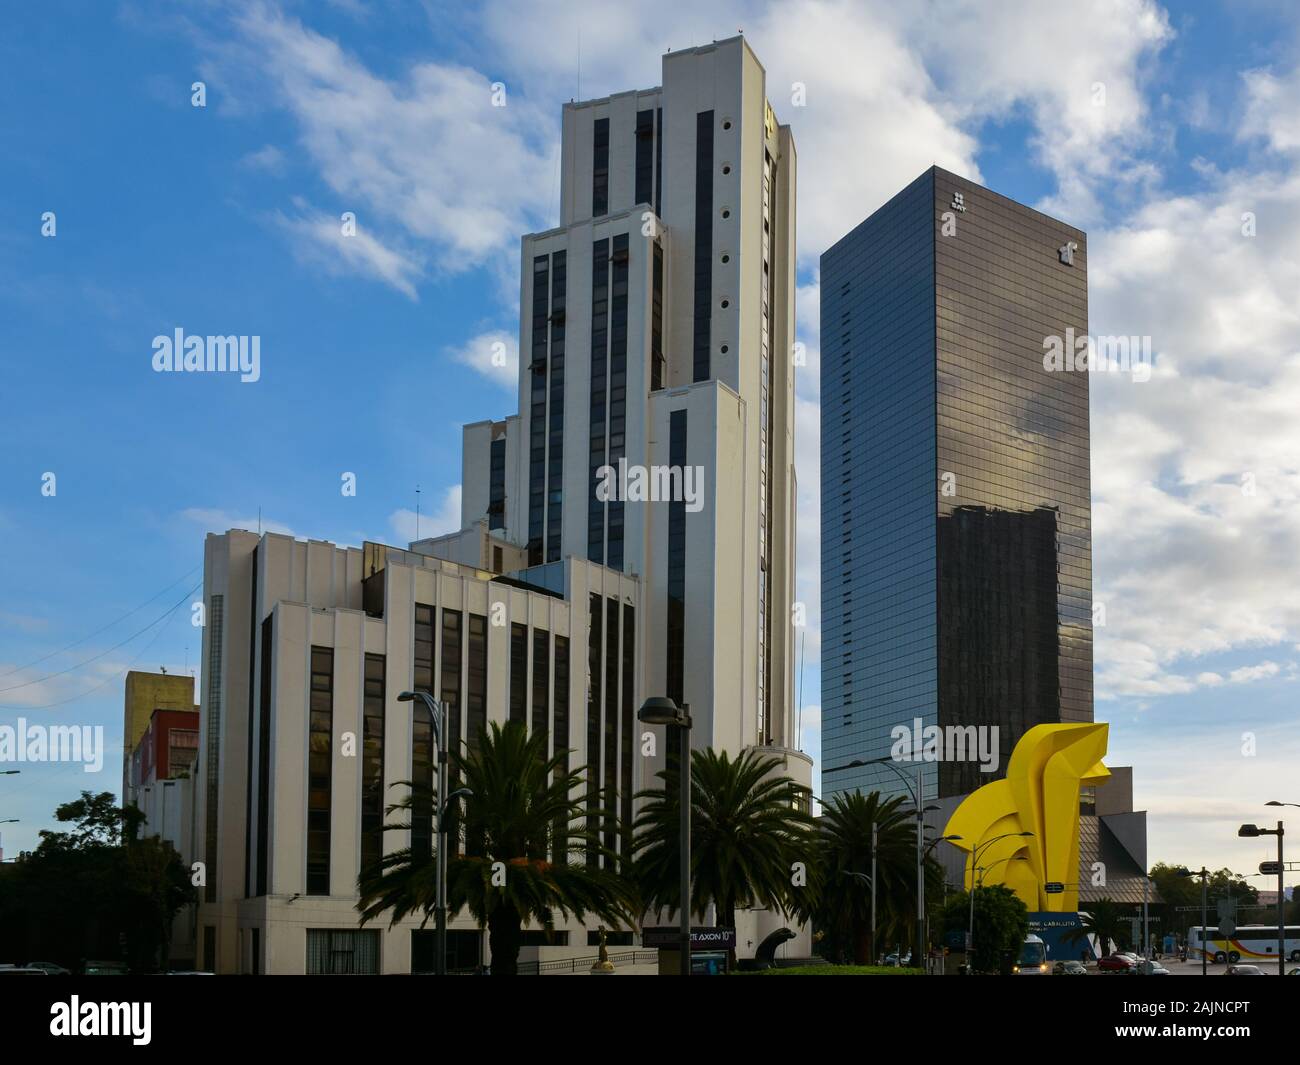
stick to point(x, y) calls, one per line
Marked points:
point(655, 339)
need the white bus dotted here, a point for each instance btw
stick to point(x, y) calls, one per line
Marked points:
point(1033, 958)
point(1251, 942)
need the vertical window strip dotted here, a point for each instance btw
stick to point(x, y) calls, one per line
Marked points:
point(560, 702)
point(676, 564)
point(497, 485)
point(541, 680)
point(212, 744)
point(595, 621)
point(265, 705)
point(476, 688)
point(703, 243)
point(423, 745)
point(519, 672)
point(659, 162)
point(610, 721)
point(537, 411)
point(600, 168)
point(599, 393)
point(372, 764)
point(451, 704)
point(320, 755)
point(657, 360)
point(645, 156)
point(626, 730)
point(617, 391)
point(555, 435)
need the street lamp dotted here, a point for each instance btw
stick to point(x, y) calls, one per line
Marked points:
point(1250, 832)
point(917, 795)
point(976, 882)
point(1204, 874)
point(435, 709)
point(660, 710)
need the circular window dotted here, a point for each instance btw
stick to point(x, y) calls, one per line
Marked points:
point(726, 123)
point(726, 212)
point(724, 349)
point(726, 168)
point(726, 258)
point(726, 304)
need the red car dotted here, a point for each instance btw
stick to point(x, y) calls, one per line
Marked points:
point(1114, 963)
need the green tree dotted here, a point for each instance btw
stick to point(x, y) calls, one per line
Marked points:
point(524, 806)
point(1105, 920)
point(843, 904)
point(749, 826)
point(1001, 925)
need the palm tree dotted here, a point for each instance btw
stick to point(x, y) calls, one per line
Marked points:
point(843, 905)
point(748, 828)
point(1103, 920)
point(524, 807)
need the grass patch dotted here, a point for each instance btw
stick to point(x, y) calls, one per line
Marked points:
point(837, 970)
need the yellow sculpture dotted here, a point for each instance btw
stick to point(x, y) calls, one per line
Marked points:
point(1040, 795)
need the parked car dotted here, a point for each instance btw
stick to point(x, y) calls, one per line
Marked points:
point(1244, 970)
point(1115, 963)
point(894, 961)
point(49, 968)
point(1069, 968)
point(104, 968)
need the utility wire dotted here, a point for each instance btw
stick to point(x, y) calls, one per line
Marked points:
point(115, 621)
point(95, 658)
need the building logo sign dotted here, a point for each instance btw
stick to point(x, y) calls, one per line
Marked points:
point(959, 202)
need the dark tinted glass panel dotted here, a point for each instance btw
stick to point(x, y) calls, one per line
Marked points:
point(703, 242)
point(676, 634)
point(319, 761)
point(600, 168)
point(519, 672)
point(372, 763)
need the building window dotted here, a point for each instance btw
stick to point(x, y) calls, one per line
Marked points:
point(212, 749)
point(610, 722)
point(555, 435)
point(497, 485)
point(645, 154)
point(320, 755)
point(519, 672)
point(659, 162)
point(560, 704)
point(600, 168)
point(595, 621)
point(617, 391)
point(599, 394)
point(451, 644)
point(541, 679)
point(658, 368)
point(264, 759)
point(347, 952)
point(423, 745)
point(625, 738)
point(476, 689)
point(703, 242)
point(372, 764)
point(537, 411)
point(676, 634)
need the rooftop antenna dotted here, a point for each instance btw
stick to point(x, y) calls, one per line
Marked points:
point(417, 512)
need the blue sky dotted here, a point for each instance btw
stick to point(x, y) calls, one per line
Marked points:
point(225, 219)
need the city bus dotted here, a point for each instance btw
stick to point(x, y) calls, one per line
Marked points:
point(1251, 942)
point(1033, 958)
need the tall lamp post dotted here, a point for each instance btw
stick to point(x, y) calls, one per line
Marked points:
point(1250, 832)
point(917, 795)
point(1204, 874)
point(660, 710)
point(975, 882)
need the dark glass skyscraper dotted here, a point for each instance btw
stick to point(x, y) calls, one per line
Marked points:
point(956, 550)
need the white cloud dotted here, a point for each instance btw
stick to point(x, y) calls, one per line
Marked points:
point(268, 159)
point(494, 354)
point(319, 240)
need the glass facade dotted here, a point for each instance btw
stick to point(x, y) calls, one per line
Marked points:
point(372, 762)
point(320, 753)
point(956, 542)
